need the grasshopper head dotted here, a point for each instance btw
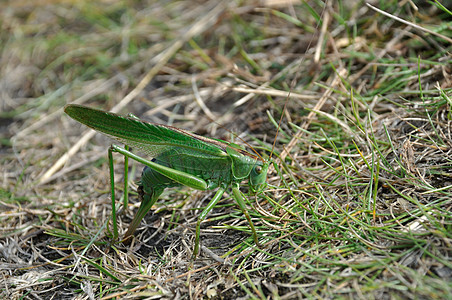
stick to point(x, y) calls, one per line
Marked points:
point(258, 176)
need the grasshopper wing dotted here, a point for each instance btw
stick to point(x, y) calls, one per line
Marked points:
point(151, 138)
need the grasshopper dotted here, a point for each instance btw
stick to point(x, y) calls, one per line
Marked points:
point(179, 158)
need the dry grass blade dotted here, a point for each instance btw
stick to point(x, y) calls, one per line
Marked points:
point(410, 23)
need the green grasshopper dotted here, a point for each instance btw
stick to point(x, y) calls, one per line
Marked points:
point(179, 158)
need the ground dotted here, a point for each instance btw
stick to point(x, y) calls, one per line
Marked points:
point(350, 100)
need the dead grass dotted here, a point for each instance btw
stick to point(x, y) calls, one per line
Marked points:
point(359, 198)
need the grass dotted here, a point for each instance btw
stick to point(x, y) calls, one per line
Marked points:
point(358, 202)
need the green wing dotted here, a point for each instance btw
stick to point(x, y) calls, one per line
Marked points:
point(152, 139)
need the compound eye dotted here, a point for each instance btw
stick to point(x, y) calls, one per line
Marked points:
point(258, 169)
